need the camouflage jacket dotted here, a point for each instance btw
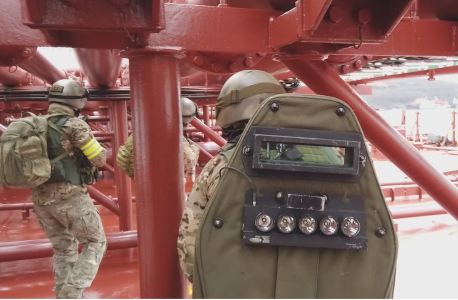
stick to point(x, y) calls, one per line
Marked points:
point(202, 191)
point(80, 134)
point(125, 156)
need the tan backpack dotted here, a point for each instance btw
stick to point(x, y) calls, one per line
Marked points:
point(24, 161)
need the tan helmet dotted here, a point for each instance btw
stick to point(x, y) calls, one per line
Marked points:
point(68, 92)
point(188, 110)
point(242, 93)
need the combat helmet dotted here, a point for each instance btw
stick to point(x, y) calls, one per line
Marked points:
point(242, 93)
point(188, 110)
point(68, 92)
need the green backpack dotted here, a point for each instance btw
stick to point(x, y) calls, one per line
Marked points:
point(24, 161)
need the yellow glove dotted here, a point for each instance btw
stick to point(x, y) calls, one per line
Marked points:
point(125, 157)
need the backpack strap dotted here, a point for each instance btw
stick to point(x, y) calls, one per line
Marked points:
point(63, 134)
point(227, 150)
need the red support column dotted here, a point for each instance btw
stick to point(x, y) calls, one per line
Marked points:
point(417, 124)
point(155, 91)
point(454, 128)
point(324, 80)
point(123, 183)
point(207, 112)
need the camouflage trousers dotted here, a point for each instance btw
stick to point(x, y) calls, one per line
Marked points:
point(68, 223)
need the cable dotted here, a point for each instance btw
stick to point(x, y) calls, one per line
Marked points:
point(248, 178)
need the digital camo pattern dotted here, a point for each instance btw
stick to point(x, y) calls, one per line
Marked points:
point(67, 223)
point(201, 193)
point(190, 156)
point(80, 134)
point(68, 217)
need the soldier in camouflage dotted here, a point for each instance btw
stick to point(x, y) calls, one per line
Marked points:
point(62, 205)
point(125, 156)
point(232, 115)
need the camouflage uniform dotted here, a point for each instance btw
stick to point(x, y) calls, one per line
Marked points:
point(125, 156)
point(201, 193)
point(68, 217)
point(190, 156)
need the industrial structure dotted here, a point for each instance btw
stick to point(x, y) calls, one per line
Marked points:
point(189, 48)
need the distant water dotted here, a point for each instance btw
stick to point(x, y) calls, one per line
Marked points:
point(436, 121)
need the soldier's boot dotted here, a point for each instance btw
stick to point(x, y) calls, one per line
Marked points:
point(70, 292)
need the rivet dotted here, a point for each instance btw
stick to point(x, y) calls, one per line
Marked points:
point(26, 52)
point(279, 195)
point(216, 67)
point(274, 106)
point(364, 16)
point(218, 223)
point(198, 61)
point(380, 231)
point(335, 14)
point(340, 111)
point(345, 69)
point(248, 62)
point(247, 151)
point(233, 67)
point(358, 64)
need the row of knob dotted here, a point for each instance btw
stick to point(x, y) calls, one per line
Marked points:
point(328, 225)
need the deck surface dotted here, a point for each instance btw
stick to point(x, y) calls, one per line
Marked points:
point(426, 264)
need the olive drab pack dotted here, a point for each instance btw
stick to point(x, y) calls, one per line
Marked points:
point(24, 160)
point(308, 218)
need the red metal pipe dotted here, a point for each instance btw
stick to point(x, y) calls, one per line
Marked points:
point(154, 79)
point(16, 76)
point(207, 156)
point(108, 168)
point(417, 124)
point(16, 206)
point(208, 132)
point(206, 117)
point(454, 128)
point(193, 129)
point(100, 66)
point(123, 182)
point(324, 80)
point(417, 212)
point(42, 248)
point(103, 199)
point(41, 67)
point(438, 71)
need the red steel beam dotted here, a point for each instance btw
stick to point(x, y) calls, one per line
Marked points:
point(427, 37)
point(108, 168)
point(438, 71)
point(324, 80)
point(17, 76)
point(154, 80)
point(204, 153)
point(418, 211)
point(123, 182)
point(101, 67)
point(206, 118)
point(41, 67)
point(103, 199)
point(207, 131)
point(13, 251)
point(22, 206)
